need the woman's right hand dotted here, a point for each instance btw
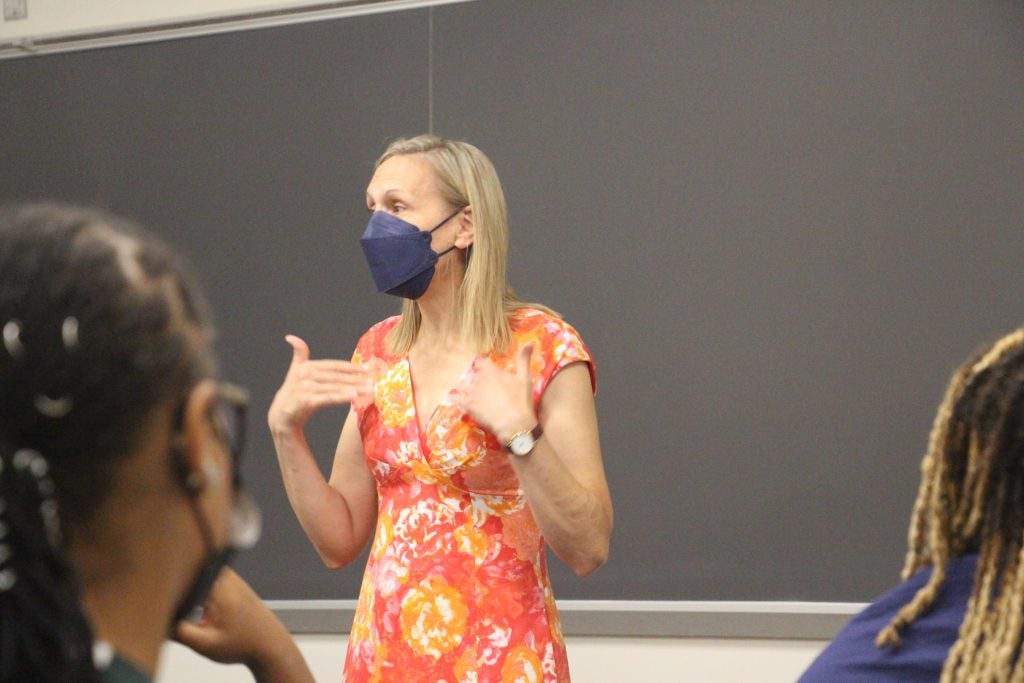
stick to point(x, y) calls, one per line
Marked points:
point(238, 627)
point(337, 513)
point(311, 385)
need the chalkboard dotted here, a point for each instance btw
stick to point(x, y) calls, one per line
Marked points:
point(778, 226)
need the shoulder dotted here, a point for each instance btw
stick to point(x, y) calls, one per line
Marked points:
point(556, 342)
point(373, 341)
point(384, 326)
point(536, 324)
point(853, 655)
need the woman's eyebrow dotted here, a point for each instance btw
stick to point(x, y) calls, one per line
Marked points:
point(390, 194)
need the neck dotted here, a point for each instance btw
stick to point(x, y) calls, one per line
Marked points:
point(120, 603)
point(134, 569)
point(439, 324)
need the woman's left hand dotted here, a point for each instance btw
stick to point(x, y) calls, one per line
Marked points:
point(499, 400)
point(563, 477)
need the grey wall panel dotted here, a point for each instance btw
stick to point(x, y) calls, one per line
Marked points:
point(251, 152)
point(779, 226)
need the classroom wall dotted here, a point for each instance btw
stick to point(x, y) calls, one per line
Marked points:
point(594, 659)
point(777, 226)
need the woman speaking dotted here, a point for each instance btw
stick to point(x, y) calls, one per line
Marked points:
point(471, 441)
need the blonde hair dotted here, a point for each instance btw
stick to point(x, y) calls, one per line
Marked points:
point(483, 300)
point(970, 499)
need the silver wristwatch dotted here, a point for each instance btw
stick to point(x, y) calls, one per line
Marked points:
point(522, 443)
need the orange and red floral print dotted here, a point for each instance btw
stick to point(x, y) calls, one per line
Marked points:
point(456, 587)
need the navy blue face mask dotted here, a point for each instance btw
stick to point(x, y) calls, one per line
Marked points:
point(399, 254)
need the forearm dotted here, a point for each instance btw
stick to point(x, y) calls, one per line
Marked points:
point(284, 665)
point(322, 510)
point(575, 522)
point(562, 476)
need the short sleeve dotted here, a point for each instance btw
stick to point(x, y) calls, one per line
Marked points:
point(557, 344)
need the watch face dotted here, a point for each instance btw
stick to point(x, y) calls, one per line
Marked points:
point(521, 444)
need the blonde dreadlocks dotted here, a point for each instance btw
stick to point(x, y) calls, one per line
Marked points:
point(972, 500)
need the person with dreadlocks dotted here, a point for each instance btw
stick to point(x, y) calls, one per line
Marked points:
point(120, 495)
point(958, 614)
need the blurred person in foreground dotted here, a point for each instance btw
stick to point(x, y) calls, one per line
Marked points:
point(120, 495)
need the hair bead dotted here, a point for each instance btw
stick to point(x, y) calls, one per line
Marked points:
point(8, 577)
point(12, 339)
point(69, 333)
point(53, 407)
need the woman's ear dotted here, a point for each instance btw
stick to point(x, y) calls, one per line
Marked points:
point(466, 230)
point(199, 440)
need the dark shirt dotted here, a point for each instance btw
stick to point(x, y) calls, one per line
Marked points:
point(122, 671)
point(853, 655)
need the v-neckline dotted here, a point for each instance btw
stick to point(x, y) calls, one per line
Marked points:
point(423, 428)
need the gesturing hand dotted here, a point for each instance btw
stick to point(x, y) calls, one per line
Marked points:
point(501, 401)
point(311, 385)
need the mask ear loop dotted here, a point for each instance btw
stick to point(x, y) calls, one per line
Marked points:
point(438, 226)
point(193, 484)
point(457, 212)
point(191, 481)
point(456, 288)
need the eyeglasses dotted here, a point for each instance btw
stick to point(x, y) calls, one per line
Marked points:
point(230, 406)
point(229, 418)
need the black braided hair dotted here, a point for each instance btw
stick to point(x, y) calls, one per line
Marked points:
point(102, 325)
point(43, 634)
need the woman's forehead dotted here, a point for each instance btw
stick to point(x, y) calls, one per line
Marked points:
point(409, 173)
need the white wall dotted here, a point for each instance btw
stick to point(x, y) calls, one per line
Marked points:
point(48, 18)
point(592, 660)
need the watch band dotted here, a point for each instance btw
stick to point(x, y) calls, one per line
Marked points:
point(537, 432)
point(534, 435)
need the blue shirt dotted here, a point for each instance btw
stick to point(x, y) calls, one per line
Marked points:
point(853, 655)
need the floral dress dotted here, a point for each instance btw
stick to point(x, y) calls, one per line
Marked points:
point(456, 587)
